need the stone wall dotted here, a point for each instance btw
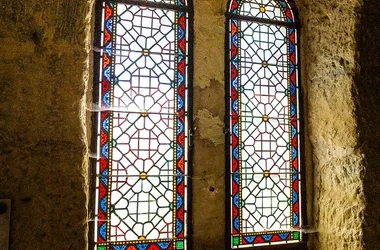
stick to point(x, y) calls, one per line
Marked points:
point(330, 66)
point(42, 66)
point(42, 57)
point(209, 163)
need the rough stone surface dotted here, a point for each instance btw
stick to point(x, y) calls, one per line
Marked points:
point(209, 164)
point(42, 69)
point(41, 66)
point(330, 65)
point(210, 128)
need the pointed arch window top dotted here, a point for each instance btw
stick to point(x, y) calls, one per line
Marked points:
point(171, 2)
point(264, 124)
point(277, 10)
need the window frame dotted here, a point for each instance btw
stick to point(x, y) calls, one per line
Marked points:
point(301, 129)
point(94, 117)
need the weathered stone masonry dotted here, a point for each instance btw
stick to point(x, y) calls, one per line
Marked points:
point(44, 71)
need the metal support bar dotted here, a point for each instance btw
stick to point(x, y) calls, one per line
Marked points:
point(262, 20)
point(158, 5)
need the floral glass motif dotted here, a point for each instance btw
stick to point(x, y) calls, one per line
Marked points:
point(264, 123)
point(142, 133)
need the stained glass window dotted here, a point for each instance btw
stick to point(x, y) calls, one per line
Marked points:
point(142, 132)
point(264, 145)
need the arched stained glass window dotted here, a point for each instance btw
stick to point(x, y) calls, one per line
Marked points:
point(142, 125)
point(264, 145)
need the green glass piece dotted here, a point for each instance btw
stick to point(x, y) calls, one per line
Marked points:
point(242, 203)
point(235, 240)
point(296, 235)
point(114, 143)
point(288, 201)
point(288, 146)
point(286, 92)
point(171, 205)
point(180, 245)
point(102, 248)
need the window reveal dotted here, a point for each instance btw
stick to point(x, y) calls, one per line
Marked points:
point(264, 123)
point(141, 183)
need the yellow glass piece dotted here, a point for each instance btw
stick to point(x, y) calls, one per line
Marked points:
point(143, 176)
point(265, 118)
point(262, 9)
point(266, 173)
point(144, 114)
point(142, 237)
point(146, 52)
point(265, 64)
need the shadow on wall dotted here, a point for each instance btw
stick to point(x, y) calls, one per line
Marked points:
point(368, 107)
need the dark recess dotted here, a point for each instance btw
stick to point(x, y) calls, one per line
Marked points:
point(368, 107)
point(3, 208)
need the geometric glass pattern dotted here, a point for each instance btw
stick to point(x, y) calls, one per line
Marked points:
point(142, 133)
point(264, 145)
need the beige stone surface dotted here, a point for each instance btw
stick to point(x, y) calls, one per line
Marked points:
point(42, 57)
point(210, 128)
point(209, 165)
point(329, 55)
point(44, 62)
